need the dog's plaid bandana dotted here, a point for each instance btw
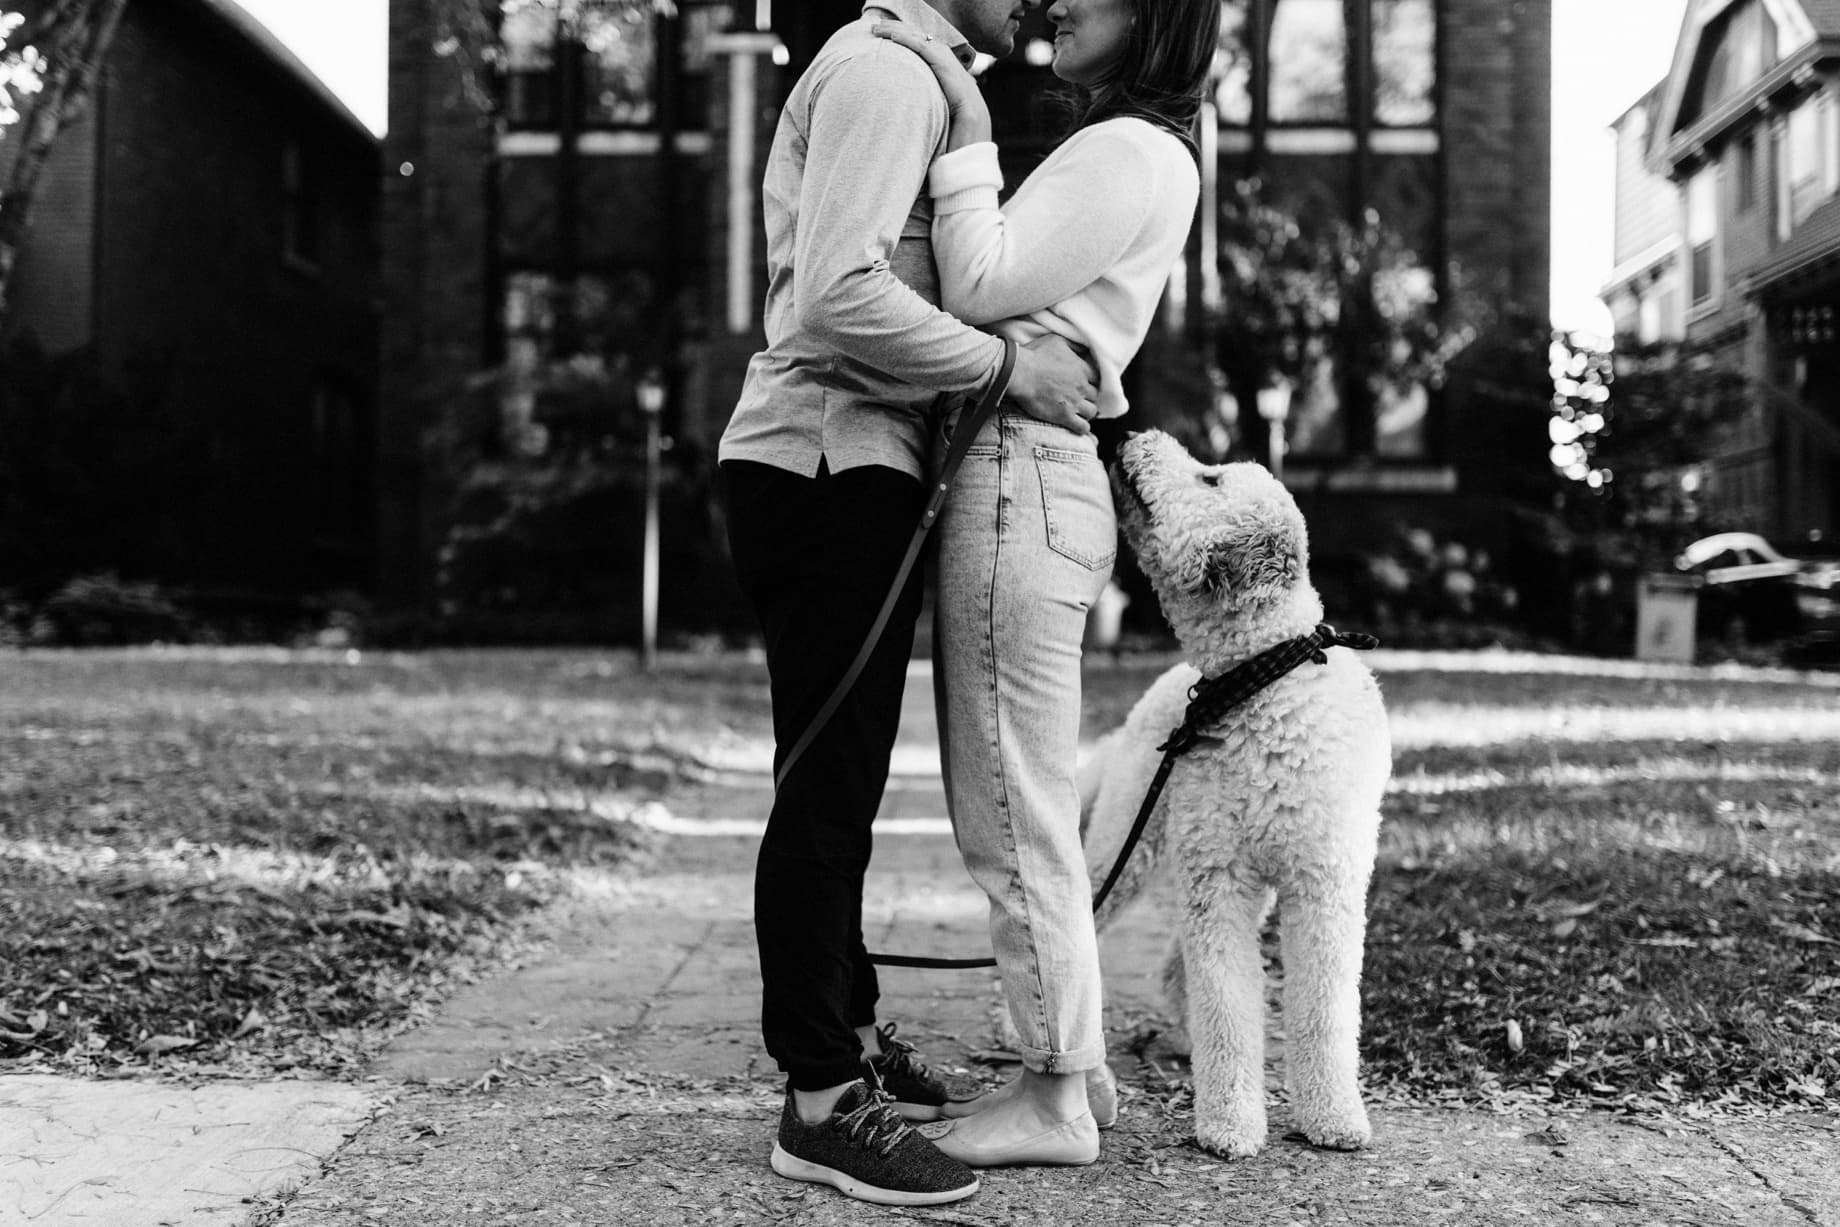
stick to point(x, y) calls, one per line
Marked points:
point(1213, 697)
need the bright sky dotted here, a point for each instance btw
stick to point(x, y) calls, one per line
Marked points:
point(346, 42)
point(1606, 54)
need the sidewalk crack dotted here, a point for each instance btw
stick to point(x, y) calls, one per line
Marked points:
point(1743, 1161)
point(696, 948)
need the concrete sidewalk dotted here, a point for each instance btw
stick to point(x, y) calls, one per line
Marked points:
point(620, 1081)
point(123, 1153)
point(617, 1078)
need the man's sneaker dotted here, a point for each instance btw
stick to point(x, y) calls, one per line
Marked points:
point(864, 1149)
point(918, 1091)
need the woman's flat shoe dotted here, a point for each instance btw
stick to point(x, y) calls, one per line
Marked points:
point(1071, 1143)
point(1102, 1096)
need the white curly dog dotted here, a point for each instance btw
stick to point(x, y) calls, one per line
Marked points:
point(1284, 806)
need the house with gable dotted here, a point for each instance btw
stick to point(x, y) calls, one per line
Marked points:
point(1746, 128)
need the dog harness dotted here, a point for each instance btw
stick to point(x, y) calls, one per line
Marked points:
point(1211, 698)
point(1209, 701)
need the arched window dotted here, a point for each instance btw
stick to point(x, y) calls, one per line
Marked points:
point(1737, 47)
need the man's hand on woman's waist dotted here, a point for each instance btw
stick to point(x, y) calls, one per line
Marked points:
point(1053, 383)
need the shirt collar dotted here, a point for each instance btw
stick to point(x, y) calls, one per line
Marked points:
point(928, 18)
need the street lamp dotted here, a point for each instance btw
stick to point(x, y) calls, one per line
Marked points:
point(1274, 401)
point(650, 393)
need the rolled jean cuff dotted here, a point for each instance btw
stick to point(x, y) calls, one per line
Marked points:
point(1073, 1061)
point(823, 1077)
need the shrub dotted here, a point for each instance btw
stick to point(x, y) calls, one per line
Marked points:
point(1422, 592)
point(15, 618)
point(543, 484)
point(98, 610)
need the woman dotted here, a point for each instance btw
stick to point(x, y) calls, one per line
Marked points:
point(1083, 250)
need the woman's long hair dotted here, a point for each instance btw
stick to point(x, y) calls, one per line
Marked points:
point(1164, 69)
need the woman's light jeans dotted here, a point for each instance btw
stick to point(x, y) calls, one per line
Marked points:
point(1026, 543)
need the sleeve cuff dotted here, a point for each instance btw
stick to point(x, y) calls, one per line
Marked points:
point(998, 387)
point(961, 202)
point(974, 166)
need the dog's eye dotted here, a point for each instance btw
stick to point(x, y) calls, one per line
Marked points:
point(1210, 479)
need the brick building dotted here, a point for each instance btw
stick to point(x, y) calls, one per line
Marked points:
point(1745, 132)
point(628, 168)
point(205, 235)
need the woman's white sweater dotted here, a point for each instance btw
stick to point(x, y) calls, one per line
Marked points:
point(1083, 248)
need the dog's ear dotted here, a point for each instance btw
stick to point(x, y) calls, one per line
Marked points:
point(1245, 571)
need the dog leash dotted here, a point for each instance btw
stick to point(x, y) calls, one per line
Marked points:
point(968, 426)
point(1209, 700)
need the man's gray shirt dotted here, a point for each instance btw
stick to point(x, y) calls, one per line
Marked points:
point(857, 348)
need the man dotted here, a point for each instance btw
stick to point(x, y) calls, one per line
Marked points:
point(825, 459)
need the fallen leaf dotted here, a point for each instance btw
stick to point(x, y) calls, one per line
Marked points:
point(154, 1045)
point(1802, 933)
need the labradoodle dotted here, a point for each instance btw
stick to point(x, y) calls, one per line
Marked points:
point(1281, 804)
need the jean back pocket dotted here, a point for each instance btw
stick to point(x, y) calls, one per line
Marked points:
point(1076, 502)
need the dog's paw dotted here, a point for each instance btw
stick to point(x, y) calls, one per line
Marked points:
point(1352, 1134)
point(1230, 1141)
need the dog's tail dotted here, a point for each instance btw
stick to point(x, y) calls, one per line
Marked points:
point(1110, 794)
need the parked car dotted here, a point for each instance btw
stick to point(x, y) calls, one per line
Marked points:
point(1753, 592)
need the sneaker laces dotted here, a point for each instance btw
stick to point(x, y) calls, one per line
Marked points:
point(874, 1125)
point(901, 1057)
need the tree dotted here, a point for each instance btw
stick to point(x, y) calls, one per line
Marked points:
point(1631, 430)
point(468, 32)
point(1294, 295)
point(48, 61)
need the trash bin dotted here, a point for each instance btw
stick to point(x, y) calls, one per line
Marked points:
point(1667, 607)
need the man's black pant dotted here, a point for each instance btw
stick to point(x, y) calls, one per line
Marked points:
point(815, 556)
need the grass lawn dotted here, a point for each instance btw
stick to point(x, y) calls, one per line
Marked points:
point(1621, 890)
point(1611, 889)
point(270, 858)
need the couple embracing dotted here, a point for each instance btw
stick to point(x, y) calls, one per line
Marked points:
point(897, 284)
